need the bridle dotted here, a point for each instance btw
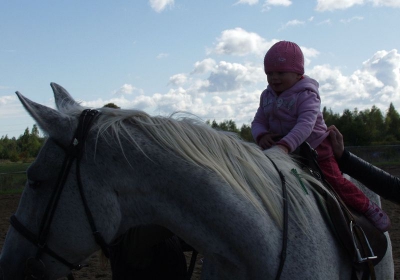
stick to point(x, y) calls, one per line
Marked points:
point(35, 268)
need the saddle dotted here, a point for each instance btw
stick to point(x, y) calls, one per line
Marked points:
point(365, 244)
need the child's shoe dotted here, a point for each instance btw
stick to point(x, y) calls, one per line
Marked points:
point(378, 217)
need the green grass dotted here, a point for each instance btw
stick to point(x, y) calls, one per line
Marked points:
point(11, 191)
point(7, 167)
point(11, 181)
point(386, 163)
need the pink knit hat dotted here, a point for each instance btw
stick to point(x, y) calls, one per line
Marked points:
point(284, 56)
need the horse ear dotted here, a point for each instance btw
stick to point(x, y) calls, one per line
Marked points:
point(54, 123)
point(62, 98)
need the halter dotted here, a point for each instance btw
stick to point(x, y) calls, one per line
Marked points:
point(35, 268)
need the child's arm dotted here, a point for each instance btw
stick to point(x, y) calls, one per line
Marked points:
point(308, 108)
point(260, 131)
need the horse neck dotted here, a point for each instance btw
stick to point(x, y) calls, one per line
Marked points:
point(194, 203)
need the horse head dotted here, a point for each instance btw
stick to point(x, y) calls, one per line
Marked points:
point(51, 232)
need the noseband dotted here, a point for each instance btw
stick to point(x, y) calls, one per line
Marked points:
point(35, 268)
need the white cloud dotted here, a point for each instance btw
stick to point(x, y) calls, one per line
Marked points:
point(385, 66)
point(290, 23)
point(285, 3)
point(387, 3)
point(376, 82)
point(327, 21)
point(229, 89)
point(226, 90)
point(204, 66)
point(140, 102)
point(268, 3)
point(4, 100)
point(232, 90)
point(162, 55)
point(160, 5)
point(351, 19)
point(232, 76)
point(309, 53)
point(173, 100)
point(178, 79)
point(126, 89)
point(14, 119)
point(330, 5)
point(240, 42)
point(249, 2)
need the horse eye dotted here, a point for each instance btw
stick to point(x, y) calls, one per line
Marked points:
point(33, 184)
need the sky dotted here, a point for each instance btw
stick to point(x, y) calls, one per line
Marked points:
point(203, 57)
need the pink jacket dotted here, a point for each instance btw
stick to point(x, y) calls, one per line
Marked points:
point(295, 114)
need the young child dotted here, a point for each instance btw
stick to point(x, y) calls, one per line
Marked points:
point(289, 114)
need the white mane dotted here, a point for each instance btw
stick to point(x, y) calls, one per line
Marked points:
point(244, 166)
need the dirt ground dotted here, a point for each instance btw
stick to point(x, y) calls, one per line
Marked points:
point(96, 270)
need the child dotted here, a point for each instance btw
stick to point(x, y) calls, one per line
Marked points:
point(289, 114)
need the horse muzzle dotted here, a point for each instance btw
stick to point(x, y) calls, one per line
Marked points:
point(35, 269)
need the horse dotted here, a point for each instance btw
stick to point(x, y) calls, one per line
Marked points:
point(104, 171)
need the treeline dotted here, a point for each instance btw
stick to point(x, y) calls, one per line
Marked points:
point(368, 127)
point(359, 128)
point(24, 148)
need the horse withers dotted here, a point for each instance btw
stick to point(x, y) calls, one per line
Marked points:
point(102, 172)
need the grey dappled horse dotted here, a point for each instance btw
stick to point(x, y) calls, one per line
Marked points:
point(221, 195)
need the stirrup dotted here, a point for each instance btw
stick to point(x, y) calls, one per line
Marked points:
point(360, 259)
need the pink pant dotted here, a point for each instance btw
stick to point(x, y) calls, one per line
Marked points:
point(348, 192)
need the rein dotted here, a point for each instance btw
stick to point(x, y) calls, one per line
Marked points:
point(285, 221)
point(35, 267)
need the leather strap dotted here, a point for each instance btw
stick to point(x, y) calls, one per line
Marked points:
point(285, 221)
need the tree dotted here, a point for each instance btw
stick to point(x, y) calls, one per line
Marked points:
point(330, 117)
point(29, 143)
point(228, 125)
point(392, 123)
point(112, 105)
point(10, 149)
point(245, 133)
point(374, 122)
point(35, 131)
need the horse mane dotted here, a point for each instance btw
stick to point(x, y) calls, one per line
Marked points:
point(243, 165)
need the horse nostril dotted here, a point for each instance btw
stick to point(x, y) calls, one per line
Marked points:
point(35, 268)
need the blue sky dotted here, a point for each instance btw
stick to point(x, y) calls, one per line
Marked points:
point(204, 57)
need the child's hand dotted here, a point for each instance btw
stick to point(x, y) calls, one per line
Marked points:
point(283, 148)
point(267, 141)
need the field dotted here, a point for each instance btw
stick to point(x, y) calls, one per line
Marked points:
point(9, 203)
